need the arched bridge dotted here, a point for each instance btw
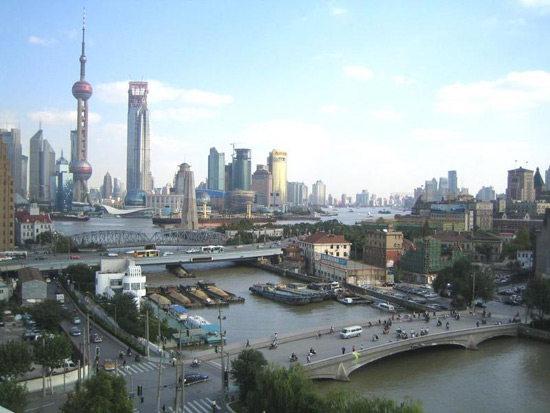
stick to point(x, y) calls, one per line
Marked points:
point(166, 237)
point(340, 367)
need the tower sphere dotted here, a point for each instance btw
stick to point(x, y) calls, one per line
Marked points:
point(82, 90)
point(82, 170)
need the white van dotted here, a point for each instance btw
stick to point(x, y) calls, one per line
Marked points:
point(349, 332)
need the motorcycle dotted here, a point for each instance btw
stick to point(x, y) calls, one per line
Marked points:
point(293, 358)
point(195, 363)
point(312, 351)
point(137, 358)
point(273, 345)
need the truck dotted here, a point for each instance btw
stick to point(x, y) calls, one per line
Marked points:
point(60, 298)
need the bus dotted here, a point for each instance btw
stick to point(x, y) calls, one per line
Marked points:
point(146, 253)
point(212, 248)
point(15, 255)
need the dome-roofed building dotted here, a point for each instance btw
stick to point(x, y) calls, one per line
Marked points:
point(135, 198)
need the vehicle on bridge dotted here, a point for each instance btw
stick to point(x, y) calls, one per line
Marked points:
point(146, 253)
point(16, 255)
point(352, 331)
point(212, 248)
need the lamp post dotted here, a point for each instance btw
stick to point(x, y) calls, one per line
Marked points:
point(473, 291)
point(220, 318)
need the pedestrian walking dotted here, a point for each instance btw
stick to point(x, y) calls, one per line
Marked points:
point(361, 347)
point(309, 358)
point(353, 349)
point(343, 350)
point(247, 343)
point(477, 323)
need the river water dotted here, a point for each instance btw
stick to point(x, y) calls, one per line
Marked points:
point(504, 375)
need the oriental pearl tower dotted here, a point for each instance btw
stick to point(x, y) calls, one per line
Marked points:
point(80, 168)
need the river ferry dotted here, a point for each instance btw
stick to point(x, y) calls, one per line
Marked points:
point(178, 312)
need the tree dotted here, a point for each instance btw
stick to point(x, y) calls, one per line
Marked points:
point(102, 393)
point(460, 278)
point(15, 359)
point(50, 352)
point(13, 396)
point(284, 390)
point(245, 368)
point(341, 401)
point(426, 230)
point(537, 295)
point(82, 275)
point(48, 314)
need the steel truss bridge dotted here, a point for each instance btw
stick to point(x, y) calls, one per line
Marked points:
point(112, 238)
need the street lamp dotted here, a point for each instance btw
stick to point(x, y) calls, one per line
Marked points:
point(474, 291)
point(220, 317)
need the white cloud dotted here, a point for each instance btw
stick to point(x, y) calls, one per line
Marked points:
point(517, 91)
point(58, 117)
point(360, 73)
point(185, 114)
point(42, 41)
point(403, 80)
point(332, 110)
point(434, 134)
point(117, 92)
point(535, 3)
point(387, 115)
point(338, 11)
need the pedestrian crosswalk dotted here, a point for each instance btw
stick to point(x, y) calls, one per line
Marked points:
point(137, 368)
point(199, 406)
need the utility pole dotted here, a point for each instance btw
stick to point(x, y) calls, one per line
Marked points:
point(160, 361)
point(147, 333)
point(182, 387)
point(176, 399)
point(221, 355)
point(87, 336)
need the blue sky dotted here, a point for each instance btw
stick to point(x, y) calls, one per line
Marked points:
point(376, 95)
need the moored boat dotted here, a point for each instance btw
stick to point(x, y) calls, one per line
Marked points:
point(269, 291)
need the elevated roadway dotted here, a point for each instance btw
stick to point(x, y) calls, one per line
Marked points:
point(59, 262)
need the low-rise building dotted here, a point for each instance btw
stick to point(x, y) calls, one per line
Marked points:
point(525, 259)
point(29, 224)
point(6, 291)
point(257, 233)
point(323, 243)
point(383, 248)
point(166, 204)
point(31, 286)
point(120, 276)
point(293, 258)
point(347, 271)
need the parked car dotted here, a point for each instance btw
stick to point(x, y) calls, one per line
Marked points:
point(506, 292)
point(75, 331)
point(108, 365)
point(74, 257)
point(112, 254)
point(167, 253)
point(194, 378)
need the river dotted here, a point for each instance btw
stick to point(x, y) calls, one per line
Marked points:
point(504, 375)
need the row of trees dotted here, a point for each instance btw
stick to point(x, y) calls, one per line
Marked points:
point(270, 388)
point(16, 358)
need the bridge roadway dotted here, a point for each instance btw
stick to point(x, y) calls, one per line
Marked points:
point(58, 262)
point(330, 363)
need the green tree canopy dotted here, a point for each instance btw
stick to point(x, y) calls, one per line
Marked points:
point(13, 396)
point(245, 368)
point(48, 314)
point(460, 278)
point(102, 393)
point(537, 295)
point(82, 275)
point(15, 359)
point(341, 401)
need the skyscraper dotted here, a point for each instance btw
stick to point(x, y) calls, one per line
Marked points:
point(297, 193)
point(7, 232)
point(538, 184)
point(453, 183)
point(42, 168)
point(276, 163)
point(241, 171)
point(430, 190)
point(12, 139)
point(547, 179)
point(216, 170)
point(318, 193)
point(261, 184)
point(520, 185)
point(64, 185)
point(138, 163)
point(107, 186)
point(80, 168)
point(184, 184)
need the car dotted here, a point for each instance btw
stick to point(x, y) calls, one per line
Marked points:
point(192, 251)
point(112, 254)
point(506, 292)
point(77, 320)
point(480, 304)
point(74, 257)
point(96, 338)
point(194, 378)
point(108, 365)
point(167, 253)
point(75, 331)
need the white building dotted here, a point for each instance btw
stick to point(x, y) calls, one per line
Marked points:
point(164, 204)
point(323, 243)
point(120, 275)
point(28, 225)
point(525, 259)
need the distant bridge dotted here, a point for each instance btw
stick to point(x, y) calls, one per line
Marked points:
point(112, 238)
point(341, 366)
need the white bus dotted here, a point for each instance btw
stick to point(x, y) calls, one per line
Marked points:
point(212, 248)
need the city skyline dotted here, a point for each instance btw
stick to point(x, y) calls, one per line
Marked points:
point(405, 93)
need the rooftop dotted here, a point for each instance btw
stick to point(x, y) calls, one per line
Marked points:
point(326, 238)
